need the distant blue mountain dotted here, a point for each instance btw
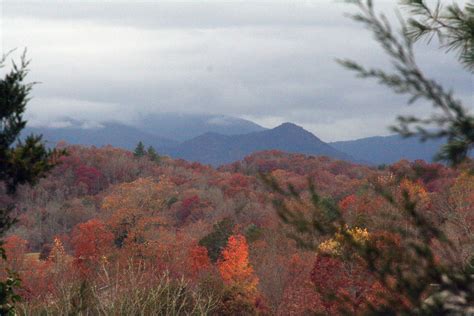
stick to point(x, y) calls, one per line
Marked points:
point(216, 140)
point(183, 127)
point(209, 148)
point(157, 130)
point(115, 134)
point(389, 149)
point(217, 149)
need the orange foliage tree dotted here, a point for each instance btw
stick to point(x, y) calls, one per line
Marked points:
point(135, 207)
point(240, 294)
point(234, 265)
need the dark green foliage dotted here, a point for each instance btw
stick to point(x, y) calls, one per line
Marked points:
point(253, 233)
point(171, 201)
point(28, 160)
point(216, 241)
point(152, 154)
point(470, 266)
point(23, 162)
point(120, 238)
point(451, 120)
point(453, 26)
point(13, 99)
point(8, 297)
point(139, 150)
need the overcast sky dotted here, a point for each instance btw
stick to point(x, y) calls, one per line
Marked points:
point(267, 61)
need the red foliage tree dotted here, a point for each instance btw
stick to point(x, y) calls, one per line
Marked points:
point(92, 243)
point(299, 297)
point(90, 177)
point(199, 260)
point(15, 249)
point(187, 206)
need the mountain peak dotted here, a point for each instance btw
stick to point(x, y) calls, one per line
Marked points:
point(292, 130)
point(288, 125)
point(218, 149)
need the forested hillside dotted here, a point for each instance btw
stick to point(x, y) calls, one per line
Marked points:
point(213, 214)
point(109, 233)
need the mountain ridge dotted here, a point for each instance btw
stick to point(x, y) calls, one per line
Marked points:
point(115, 134)
point(389, 149)
point(182, 127)
point(217, 149)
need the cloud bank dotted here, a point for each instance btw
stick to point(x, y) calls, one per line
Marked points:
point(268, 61)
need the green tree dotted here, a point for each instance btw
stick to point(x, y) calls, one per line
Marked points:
point(216, 241)
point(453, 25)
point(152, 154)
point(139, 150)
point(20, 161)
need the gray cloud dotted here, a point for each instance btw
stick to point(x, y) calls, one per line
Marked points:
point(267, 61)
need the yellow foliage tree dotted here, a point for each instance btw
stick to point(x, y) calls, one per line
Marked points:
point(335, 246)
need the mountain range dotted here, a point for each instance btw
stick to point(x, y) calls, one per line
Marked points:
point(157, 130)
point(182, 127)
point(116, 134)
point(217, 149)
point(389, 149)
point(218, 139)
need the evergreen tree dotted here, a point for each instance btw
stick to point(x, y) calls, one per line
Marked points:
point(139, 150)
point(152, 154)
point(216, 241)
point(454, 27)
point(20, 161)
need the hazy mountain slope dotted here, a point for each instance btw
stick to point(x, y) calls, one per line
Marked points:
point(389, 149)
point(216, 149)
point(183, 127)
point(115, 134)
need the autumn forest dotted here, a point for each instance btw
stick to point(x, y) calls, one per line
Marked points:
point(112, 233)
point(212, 213)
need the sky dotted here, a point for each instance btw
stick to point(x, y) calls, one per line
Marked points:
point(266, 61)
